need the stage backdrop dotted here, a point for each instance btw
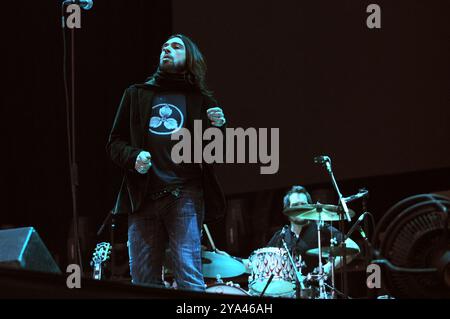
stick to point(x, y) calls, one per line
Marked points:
point(375, 100)
point(118, 44)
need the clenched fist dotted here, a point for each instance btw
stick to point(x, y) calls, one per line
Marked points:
point(143, 162)
point(216, 116)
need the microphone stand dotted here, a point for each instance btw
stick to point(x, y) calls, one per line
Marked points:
point(71, 129)
point(343, 213)
point(71, 135)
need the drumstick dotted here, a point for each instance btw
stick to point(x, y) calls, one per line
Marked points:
point(209, 237)
point(267, 285)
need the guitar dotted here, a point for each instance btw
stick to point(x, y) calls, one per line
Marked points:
point(100, 256)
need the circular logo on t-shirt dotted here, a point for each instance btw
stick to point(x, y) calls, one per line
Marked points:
point(169, 119)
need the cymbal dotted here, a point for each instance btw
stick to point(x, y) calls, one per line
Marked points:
point(217, 264)
point(337, 251)
point(214, 264)
point(323, 212)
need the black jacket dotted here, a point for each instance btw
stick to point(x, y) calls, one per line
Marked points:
point(127, 138)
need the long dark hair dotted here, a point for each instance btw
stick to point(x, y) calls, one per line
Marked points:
point(195, 64)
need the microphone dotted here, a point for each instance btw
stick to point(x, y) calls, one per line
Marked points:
point(84, 4)
point(361, 194)
point(358, 227)
point(321, 159)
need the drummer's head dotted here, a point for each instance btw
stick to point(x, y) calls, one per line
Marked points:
point(296, 196)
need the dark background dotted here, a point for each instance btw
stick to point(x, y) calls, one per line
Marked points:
point(118, 45)
point(376, 101)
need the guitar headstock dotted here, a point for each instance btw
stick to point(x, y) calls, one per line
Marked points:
point(102, 253)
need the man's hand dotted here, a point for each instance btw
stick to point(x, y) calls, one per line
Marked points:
point(216, 116)
point(143, 162)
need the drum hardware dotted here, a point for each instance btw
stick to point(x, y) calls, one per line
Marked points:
point(321, 277)
point(335, 291)
point(219, 279)
point(331, 254)
point(299, 279)
point(222, 288)
point(333, 250)
point(343, 214)
point(325, 212)
point(356, 226)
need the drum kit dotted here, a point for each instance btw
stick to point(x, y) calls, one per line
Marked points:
point(273, 272)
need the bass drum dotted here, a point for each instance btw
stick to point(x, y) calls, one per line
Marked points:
point(227, 290)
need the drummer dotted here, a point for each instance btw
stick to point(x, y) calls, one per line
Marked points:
point(301, 234)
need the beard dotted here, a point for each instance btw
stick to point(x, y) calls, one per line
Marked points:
point(299, 221)
point(170, 67)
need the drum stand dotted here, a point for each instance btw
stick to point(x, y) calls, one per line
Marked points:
point(299, 278)
point(333, 269)
point(322, 276)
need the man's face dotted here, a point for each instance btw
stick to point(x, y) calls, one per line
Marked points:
point(173, 56)
point(298, 199)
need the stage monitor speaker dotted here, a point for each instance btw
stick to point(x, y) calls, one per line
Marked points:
point(23, 248)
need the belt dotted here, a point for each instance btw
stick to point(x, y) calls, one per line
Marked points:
point(174, 190)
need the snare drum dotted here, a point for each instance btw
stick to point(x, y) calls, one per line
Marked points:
point(267, 261)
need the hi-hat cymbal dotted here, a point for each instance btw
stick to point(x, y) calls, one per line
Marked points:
point(323, 212)
point(337, 251)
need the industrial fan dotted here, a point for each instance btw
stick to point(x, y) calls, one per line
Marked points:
point(412, 241)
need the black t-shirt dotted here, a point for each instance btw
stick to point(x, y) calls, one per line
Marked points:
point(168, 116)
point(308, 239)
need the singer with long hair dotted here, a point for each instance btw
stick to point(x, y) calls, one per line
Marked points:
point(167, 203)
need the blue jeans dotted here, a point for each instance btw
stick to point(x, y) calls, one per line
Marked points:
point(175, 221)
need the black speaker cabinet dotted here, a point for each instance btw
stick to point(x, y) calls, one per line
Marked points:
point(23, 248)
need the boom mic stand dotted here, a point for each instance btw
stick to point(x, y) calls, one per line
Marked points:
point(343, 213)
